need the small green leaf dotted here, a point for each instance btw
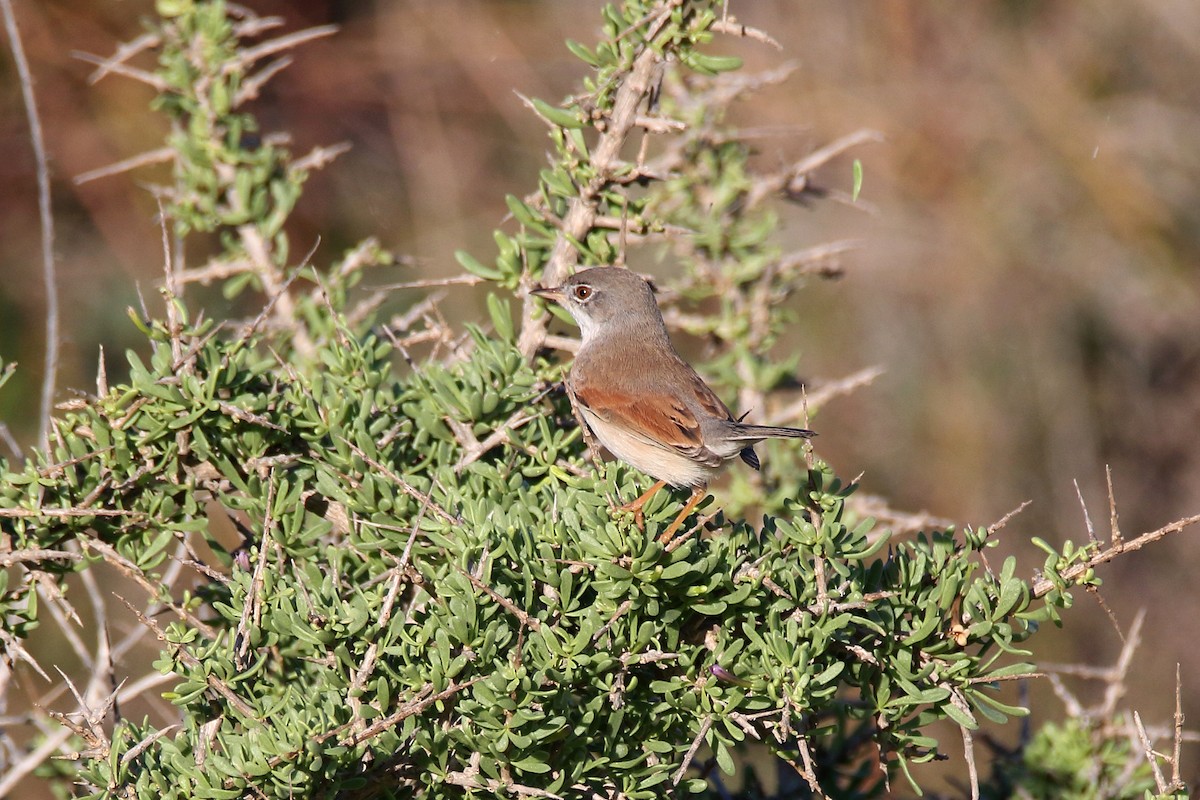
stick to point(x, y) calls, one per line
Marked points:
point(501, 316)
point(473, 266)
point(561, 117)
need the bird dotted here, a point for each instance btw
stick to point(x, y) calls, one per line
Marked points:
point(640, 399)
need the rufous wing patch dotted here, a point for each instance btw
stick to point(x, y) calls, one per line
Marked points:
point(662, 418)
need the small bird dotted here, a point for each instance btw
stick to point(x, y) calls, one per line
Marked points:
point(643, 402)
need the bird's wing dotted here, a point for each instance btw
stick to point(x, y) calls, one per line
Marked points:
point(706, 397)
point(657, 418)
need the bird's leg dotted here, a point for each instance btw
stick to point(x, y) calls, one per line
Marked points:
point(639, 518)
point(697, 495)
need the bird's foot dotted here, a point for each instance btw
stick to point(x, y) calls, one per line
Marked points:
point(639, 517)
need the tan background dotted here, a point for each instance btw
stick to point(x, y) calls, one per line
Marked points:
point(1028, 274)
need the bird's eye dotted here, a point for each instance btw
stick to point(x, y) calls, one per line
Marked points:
point(582, 292)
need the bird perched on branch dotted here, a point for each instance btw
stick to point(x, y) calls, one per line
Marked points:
point(643, 402)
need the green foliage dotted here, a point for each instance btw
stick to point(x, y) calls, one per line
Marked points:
point(433, 592)
point(500, 609)
point(1075, 760)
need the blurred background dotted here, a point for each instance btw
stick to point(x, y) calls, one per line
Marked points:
point(1028, 275)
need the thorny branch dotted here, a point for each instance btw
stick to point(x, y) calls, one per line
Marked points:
point(1119, 547)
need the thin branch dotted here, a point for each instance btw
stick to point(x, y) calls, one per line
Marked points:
point(1176, 783)
point(828, 391)
point(809, 772)
point(272, 46)
point(10, 441)
point(125, 52)
point(968, 743)
point(691, 753)
point(253, 84)
point(1116, 681)
point(732, 27)
point(50, 365)
point(456, 280)
point(134, 516)
point(116, 67)
point(405, 486)
point(1043, 586)
point(1000, 523)
point(508, 605)
point(36, 758)
point(1112, 507)
point(318, 157)
point(252, 611)
point(35, 555)
point(475, 449)
point(159, 156)
point(187, 657)
point(1087, 518)
point(133, 571)
point(423, 701)
point(1151, 755)
point(795, 178)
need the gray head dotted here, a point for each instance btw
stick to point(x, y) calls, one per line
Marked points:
point(606, 299)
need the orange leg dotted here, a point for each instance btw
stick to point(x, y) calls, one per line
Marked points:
point(697, 495)
point(639, 519)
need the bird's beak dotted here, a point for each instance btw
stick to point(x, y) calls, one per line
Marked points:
point(549, 293)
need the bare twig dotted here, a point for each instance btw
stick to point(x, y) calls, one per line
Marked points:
point(318, 157)
point(71, 512)
point(133, 571)
point(809, 771)
point(10, 441)
point(157, 156)
point(415, 706)
point(1000, 523)
point(508, 605)
point(731, 26)
point(1087, 518)
point(1176, 783)
point(691, 753)
point(252, 610)
point(247, 57)
point(828, 391)
point(118, 67)
point(186, 656)
point(1043, 586)
point(474, 449)
point(1115, 528)
point(1116, 680)
point(34, 759)
point(50, 364)
point(404, 485)
point(253, 84)
point(968, 744)
point(125, 52)
point(456, 280)
point(795, 178)
point(1151, 755)
point(34, 555)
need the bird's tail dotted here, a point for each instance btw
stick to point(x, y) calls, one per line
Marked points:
point(756, 433)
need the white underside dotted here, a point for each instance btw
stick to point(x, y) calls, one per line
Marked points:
point(661, 463)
